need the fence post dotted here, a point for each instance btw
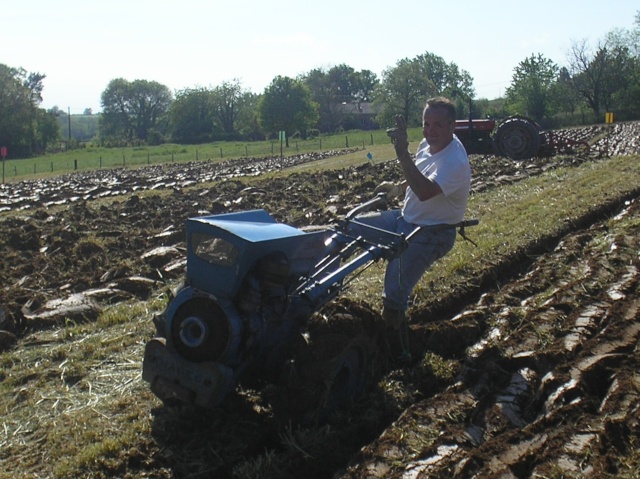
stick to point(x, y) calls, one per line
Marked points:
point(346, 137)
point(75, 165)
point(220, 152)
point(372, 138)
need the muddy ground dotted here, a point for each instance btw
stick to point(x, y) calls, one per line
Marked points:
point(556, 396)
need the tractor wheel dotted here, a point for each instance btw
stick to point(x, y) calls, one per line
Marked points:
point(337, 361)
point(200, 330)
point(517, 138)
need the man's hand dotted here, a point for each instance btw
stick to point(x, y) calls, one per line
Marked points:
point(399, 136)
point(393, 190)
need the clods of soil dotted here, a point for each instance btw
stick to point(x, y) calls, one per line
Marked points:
point(537, 378)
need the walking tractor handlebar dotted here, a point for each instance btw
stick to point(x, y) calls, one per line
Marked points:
point(251, 289)
point(461, 228)
point(380, 201)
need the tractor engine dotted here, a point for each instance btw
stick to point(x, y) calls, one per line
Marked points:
point(235, 313)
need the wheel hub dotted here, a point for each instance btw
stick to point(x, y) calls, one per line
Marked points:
point(193, 331)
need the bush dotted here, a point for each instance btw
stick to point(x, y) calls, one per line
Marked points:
point(155, 138)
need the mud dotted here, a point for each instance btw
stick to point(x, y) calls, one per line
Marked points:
point(546, 381)
point(549, 385)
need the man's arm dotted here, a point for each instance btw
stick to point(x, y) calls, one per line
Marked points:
point(423, 187)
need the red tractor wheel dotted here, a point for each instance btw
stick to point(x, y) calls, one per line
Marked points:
point(517, 138)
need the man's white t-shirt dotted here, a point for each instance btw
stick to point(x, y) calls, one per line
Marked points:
point(450, 169)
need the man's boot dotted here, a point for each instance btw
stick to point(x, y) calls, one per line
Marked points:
point(397, 333)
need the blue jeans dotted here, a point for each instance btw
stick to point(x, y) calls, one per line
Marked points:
point(404, 272)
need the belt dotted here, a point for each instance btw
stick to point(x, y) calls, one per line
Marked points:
point(438, 227)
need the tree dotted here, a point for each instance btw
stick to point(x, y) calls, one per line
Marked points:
point(47, 130)
point(116, 121)
point(627, 99)
point(228, 101)
point(247, 122)
point(14, 114)
point(34, 86)
point(403, 91)
point(405, 87)
point(364, 84)
point(339, 85)
point(25, 129)
point(191, 116)
point(563, 94)
point(598, 75)
point(530, 92)
point(342, 82)
point(329, 115)
point(200, 115)
point(458, 87)
point(132, 109)
point(286, 105)
point(621, 37)
point(150, 104)
point(448, 79)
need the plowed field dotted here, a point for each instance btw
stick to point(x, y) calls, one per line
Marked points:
point(527, 368)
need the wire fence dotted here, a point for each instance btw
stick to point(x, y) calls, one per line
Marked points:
point(92, 158)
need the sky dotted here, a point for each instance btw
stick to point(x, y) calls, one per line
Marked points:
point(82, 45)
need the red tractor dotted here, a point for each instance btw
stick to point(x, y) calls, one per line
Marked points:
point(516, 137)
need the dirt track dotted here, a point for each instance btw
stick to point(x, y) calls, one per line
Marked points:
point(546, 382)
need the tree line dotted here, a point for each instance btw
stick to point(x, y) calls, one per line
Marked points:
point(25, 129)
point(594, 80)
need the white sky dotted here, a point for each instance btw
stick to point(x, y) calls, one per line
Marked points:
point(81, 45)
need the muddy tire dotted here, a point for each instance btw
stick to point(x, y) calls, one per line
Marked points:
point(336, 362)
point(517, 138)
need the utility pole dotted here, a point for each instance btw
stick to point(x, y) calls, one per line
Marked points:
point(69, 116)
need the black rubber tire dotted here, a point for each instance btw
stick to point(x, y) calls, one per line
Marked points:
point(214, 329)
point(335, 364)
point(517, 138)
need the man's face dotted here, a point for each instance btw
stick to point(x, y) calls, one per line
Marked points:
point(437, 128)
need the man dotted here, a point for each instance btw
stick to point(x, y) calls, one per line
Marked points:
point(436, 187)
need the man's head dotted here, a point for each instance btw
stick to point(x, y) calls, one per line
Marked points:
point(438, 123)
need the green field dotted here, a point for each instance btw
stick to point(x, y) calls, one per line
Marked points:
point(95, 157)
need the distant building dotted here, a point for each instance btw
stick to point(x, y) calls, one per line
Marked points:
point(358, 116)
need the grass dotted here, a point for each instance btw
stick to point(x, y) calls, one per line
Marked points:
point(75, 390)
point(513, 219)
point(96, 157)
point(72, 400)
